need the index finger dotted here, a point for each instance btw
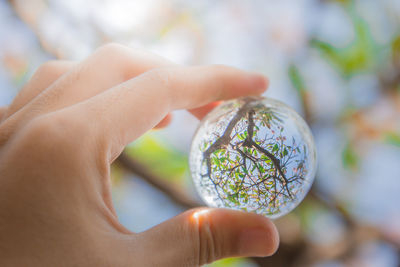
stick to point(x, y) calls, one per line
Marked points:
point(130, 109)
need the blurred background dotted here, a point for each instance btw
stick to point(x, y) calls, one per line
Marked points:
point(336, 62)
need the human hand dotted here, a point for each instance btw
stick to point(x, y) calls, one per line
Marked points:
point(58, 139)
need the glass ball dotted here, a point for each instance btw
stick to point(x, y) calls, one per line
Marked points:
point(254, 154)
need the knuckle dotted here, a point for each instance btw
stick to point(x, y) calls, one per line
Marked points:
point(43, 128)
point(47, 141)
point(169, 86)
point(51, 131)
point(114, 49)
point(220, 69)
point(39, 140)
point(209, 249)
point(162, 75)
point(120, 58)
point(219, 66)
point(57, 138)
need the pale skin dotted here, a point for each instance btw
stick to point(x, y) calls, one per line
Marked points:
point(57, 141)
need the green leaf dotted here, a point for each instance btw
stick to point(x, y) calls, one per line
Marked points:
point(393, 138)
point(254, 167)
point(275, 148)
point(261, 168)
point(285, 152)
point(265, 159)
point(350, 158)
point(215, 161)
point(254, 152)
point(297, 80)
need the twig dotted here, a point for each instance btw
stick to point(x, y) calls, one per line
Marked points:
point(141, 171)
point(351, 223)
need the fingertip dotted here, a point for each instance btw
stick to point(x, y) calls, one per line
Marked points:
point(259, 240)
point(275, 240)
point(258, 82)
point(249, 234)
point(248, 84)
point(202, 111)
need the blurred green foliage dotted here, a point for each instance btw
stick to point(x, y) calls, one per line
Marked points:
point(233, 262)
point(296, 79)
point(350, 157)
point(161, 157)
point(393, 138)
point(360, 55)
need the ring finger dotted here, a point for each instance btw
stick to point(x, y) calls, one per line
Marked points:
point(44, 76)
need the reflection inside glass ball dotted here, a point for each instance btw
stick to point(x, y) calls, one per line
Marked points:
point(254, 154)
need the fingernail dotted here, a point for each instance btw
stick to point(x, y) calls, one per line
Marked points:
point(256, 242)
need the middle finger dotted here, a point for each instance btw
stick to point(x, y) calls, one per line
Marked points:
point(110, 65)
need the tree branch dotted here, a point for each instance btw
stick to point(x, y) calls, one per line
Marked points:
point(141, 171)
point(250, 143)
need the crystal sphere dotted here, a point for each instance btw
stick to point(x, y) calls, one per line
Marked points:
point(254, 154)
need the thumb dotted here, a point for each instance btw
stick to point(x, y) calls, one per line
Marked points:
point(202, 236)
